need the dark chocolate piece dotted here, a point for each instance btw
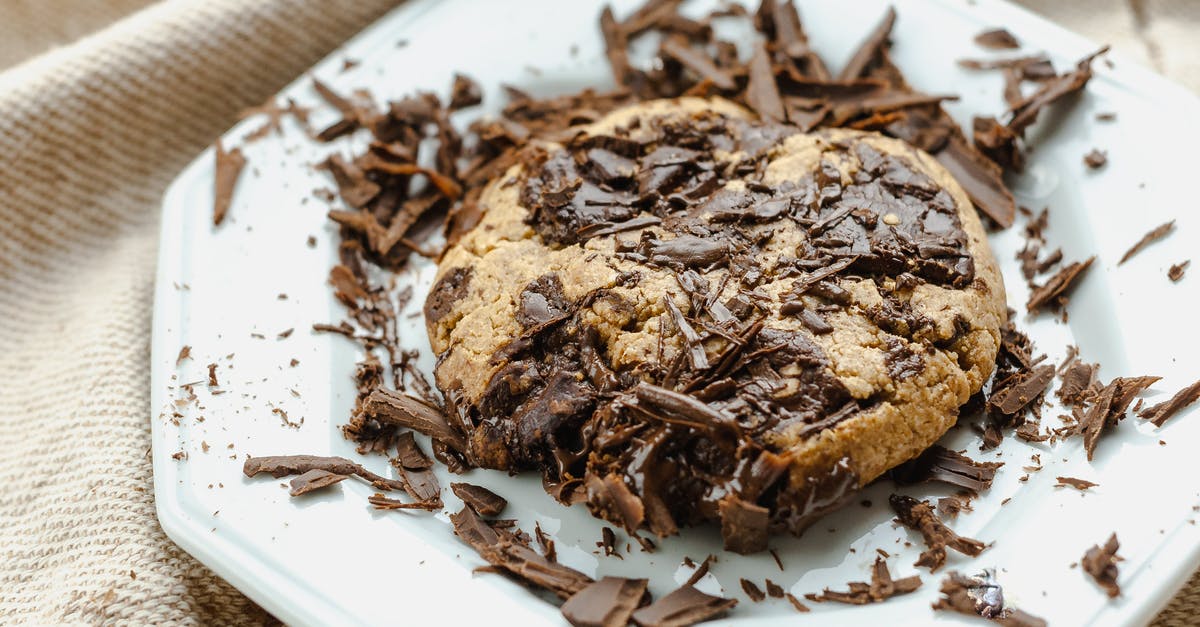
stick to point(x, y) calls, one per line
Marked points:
point(464, 93)
point(608, 602)
point(938, 463)
point(997, 39)
point(482, 500)
point(1058, 286)
point(229, 165)
point(412, 413)
point(982, 596)
point(1095, 159)
point(743, 525)
point(774, 590)
point(314, 479)
point(752, 590)
point(685, 606)
point(1151, 236)
point(1108, 407)
point(1079, 484)
point(379, 501)
point(1101, 564)
point(1175, 272)
point(919, 516)
point(283, 465)
point(1022, 391)
point(881, 588)
point(1162, 412)
point(1026, 112)
point(504, 552)
point(796, 603)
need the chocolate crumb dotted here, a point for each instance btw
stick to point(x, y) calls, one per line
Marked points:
point(1162, 412)
point(184, 353)
point(1101, 564)
point(685, 606)
point(919, 516)
point(1079, 484)
point(608, 602)
point(212, 376)
point(881, 588)
point(1150, 237)
point(482, 500)
point(228, 168)
point(997, 39)
point(753, 591)
point(1175, 273)
point(1095, 159)
point(1106, 116)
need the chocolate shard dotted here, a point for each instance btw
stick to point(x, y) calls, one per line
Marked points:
point(314, 479)
point(981, 179)
point(409, 455)
point(774, 590)
point(780, 22)
point(229, 165)
point(1101, 564)
point(919, 516)
point(997, 39)
point(1026, 112)
point(752, 590)
point(416, 469)
point(1076, 383)
point(678, 49)
point(1027, 388)
point(939, 463)
point(464, 93)
point(871, 50)
point(516, 559)
point(743, 525)
point(1109, 407)
point(981, 596)
point(1175, 272)
point(1162, 412)
point(352, 183)
point(881, 588)
point(670, 406)
point(382, 502)
point(283, 465)
point(685, 606)
point(1079, 484)
point(609, 602)
point(610, 499)
point(762, 92)
point(1095, 159)
point(1058, 286)
point(1150, 237)
point(407, 411)
point(482, 500)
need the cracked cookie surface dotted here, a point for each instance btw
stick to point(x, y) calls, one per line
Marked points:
point(683, 314)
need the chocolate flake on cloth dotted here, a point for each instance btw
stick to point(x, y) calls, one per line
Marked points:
point(982, 596)
point(1054, 291)
point(1095, 159)
point(997, 39)
point(314, 479)
point(464, 93)
point(229, 167)
point(482, 500)
point(1021, 390)
point(608, 602)
point(1152, 236)
point(752, 590)
point(283, 465)
point(1071, 482)
point(1101, 564)
point(1108, 407)
point(881, 588)
point(1159, 414)
point(504, 552)
point(1175, 272)
point(919, 516)
point(684, 606)
point(939, 463)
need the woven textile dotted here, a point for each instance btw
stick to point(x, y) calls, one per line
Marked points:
point(90, 135)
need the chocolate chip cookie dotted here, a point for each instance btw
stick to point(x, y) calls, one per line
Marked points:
point(681, 313)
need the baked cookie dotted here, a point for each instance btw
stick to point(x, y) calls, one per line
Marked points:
point(684, 314)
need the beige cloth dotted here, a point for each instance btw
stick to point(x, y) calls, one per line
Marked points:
point(89, 137)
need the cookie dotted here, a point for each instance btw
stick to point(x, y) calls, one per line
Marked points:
point(683, 314)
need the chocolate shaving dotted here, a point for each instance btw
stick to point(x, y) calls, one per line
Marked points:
point(608, 602)
point(228, 168)
point(1077, 383)
point(1162, 412)
point(982, 596)
point(1054, 291)
point(314, 479)
point(685, 606)
point(1101, 564)
point(184, 353)
point(753, 591)
point(938, 463)
point(407, 411)
point(382, 502)
point(1150, 237)
point(677, 48)
point(482, 500)
point(1026, 112)
point(516, 559)
point(1109, 406)
point(1079, 484)
point(283, 465)
point(762, 92)
point(919, 516)
point(743, 525)
point(881, 588)
point(796, 603)
point(774, 590)
point(871, 49)
point(1022, 391)
point(997, 39)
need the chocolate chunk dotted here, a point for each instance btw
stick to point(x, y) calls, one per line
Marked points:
point(685, 606)
point(1162, 412)
point(774, 590)
point(1077, 380)
point(228, 168)
point(981, 179)
point(464, 93)
point(409, 412)
point(743, 525)
point(1175, 272)
point(997, 39)
point(482, 500)
point(1101, 564)
point(1109, 407)
point(353, 185)
point(881, 588)
point(981, 596)
point(608, 602)
point(752, 590)
point(938, 463)
point(451, 288)
point(1095, 159)
point(542, 302)
point(314, 479)
point(1079, 484)
point(919, 516)
point(611, 499)
point(516, 559)
point(1053, 292)
point(1153, 235)
point(1022, 390)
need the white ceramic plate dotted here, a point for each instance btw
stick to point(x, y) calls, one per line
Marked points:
point(329, 559)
